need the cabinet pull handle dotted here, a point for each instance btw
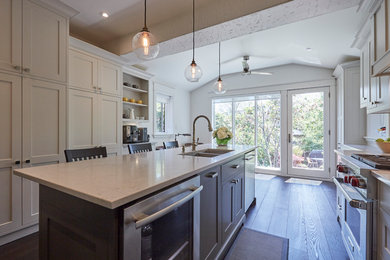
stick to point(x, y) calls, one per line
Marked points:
point(212, 175)
point(99, 88)
point(17, 162)
point(27, 161)
point(364, 98)
point(235, 181)
point(26, 70)
point(17, 67)
point(94, 87)
point(236, 166)
point(249, 158)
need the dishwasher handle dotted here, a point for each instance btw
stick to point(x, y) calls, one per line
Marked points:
point(149, 219)
point(359, 204)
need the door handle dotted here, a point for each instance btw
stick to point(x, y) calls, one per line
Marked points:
point(212, 175)
point(147, 219)
point(289, 138)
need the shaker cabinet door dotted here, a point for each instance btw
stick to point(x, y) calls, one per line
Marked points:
point(228, 199)
point(11, 35)
point(82, 71)
point(44, 42)
point(83, 125)
point(110, 121)
point(10, 152)
point(210, 208)
point(110, 81)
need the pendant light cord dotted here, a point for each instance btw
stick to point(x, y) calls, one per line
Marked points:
point(193, 30)
point(219, 59)
point(145, 15)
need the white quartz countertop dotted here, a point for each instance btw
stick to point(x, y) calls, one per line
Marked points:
point(350, 149)
point(115, 181)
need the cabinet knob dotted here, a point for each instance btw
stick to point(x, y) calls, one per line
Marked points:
point(27, 161)
point(17, 67)
point(26, 70)
point(94, 87)
point(17, 162)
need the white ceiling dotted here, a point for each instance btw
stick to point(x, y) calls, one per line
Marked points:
point(329, 36)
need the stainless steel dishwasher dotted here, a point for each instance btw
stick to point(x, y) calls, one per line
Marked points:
point(249, 178)
point(164, 225)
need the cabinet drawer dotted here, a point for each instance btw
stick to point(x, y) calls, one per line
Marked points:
point(232, 168)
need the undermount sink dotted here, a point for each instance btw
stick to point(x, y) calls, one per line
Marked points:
point(207, 152)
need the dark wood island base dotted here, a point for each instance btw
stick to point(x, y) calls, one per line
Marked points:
point(72, 228)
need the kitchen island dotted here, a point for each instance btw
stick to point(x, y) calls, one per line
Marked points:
point(82, 204)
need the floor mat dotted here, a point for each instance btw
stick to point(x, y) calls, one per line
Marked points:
point(254, 245)
point(303, 181)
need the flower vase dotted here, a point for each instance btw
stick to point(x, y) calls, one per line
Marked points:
point(222, 142)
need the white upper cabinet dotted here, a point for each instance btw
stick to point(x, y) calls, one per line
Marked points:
point(92, 73)
point(10, 152)
point(11, 35)
point(83, 71)
point(110, 78)
point(44, 42)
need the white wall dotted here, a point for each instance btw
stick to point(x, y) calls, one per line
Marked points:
point(241, 85)
point(374, 122)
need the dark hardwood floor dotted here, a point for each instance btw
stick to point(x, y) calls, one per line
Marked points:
point(25, 248)
point(305, 214)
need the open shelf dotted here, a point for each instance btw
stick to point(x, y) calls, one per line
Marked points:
point(134, 104)
point(127, 120)
point(135, 89)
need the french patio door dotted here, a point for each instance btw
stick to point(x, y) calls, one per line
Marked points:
point(308, 132)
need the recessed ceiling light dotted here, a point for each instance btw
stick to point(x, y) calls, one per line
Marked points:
point(309, 49)
point(104, 14)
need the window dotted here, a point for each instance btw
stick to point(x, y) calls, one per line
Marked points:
point(163, 114)
point(253, 120)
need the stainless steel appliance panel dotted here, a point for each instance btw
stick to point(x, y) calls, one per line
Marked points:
point(249, 178)
point(165, 225)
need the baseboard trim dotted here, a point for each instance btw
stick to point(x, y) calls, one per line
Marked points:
point(18, 234)
point(226, 246)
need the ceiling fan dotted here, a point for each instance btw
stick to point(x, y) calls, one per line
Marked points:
point(246, 71)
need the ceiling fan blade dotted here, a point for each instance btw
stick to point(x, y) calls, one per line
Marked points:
point(262, 73)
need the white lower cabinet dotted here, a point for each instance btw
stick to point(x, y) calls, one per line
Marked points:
point(10, 152)
point(94, 120)
point(38, 139)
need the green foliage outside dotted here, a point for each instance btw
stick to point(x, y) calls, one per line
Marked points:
point(307, 126)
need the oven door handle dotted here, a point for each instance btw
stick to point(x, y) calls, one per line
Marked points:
point(359, 204)
point(149, 219)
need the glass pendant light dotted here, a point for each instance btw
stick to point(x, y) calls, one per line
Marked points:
point(144, 43)
point(193, 72)
point(218, 86)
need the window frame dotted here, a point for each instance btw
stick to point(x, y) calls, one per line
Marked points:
point(168, 113)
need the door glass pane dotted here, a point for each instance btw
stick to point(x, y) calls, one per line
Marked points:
point(244, 122)
point(223, 115)
point(268, 131)
point(307, 134)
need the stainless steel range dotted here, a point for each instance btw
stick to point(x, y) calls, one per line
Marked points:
point(356, 204)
